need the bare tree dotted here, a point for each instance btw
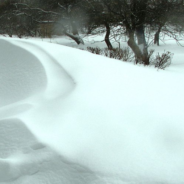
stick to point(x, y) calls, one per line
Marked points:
point(132, 14)
point(98, 18)
point(162, 13)
point(68, 14)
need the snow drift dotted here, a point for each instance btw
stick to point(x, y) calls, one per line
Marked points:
point(22, 74)
point(68, 116)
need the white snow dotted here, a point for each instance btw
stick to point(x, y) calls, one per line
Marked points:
point(68, 116)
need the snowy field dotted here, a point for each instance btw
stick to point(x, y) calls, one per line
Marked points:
point(71, 117)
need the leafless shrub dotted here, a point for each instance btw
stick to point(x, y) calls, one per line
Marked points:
point(124, 54)
point(161, 61)
point(95, 50)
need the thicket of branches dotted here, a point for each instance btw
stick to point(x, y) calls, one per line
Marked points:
point(112, 17)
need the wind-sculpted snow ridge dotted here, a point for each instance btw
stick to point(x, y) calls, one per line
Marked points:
point(68, 116)
point(21, 74)
point(25, 84)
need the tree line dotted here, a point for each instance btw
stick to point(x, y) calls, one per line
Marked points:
point(75, 17)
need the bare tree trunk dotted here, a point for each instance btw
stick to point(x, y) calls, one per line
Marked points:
point(75, 34)
point(107, 40)
point(132, 44)
point(139, 50)
point(142, 43)
point(157, 35)
point(76, 38)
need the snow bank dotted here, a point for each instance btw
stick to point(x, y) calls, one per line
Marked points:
point(83, 118)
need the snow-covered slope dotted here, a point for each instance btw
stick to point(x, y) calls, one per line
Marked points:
point(71, 117)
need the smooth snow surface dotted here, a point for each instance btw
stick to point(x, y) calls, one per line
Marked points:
point(22, 74)
point(71, 117)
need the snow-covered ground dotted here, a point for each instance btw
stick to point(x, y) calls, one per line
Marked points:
point(68, 116)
